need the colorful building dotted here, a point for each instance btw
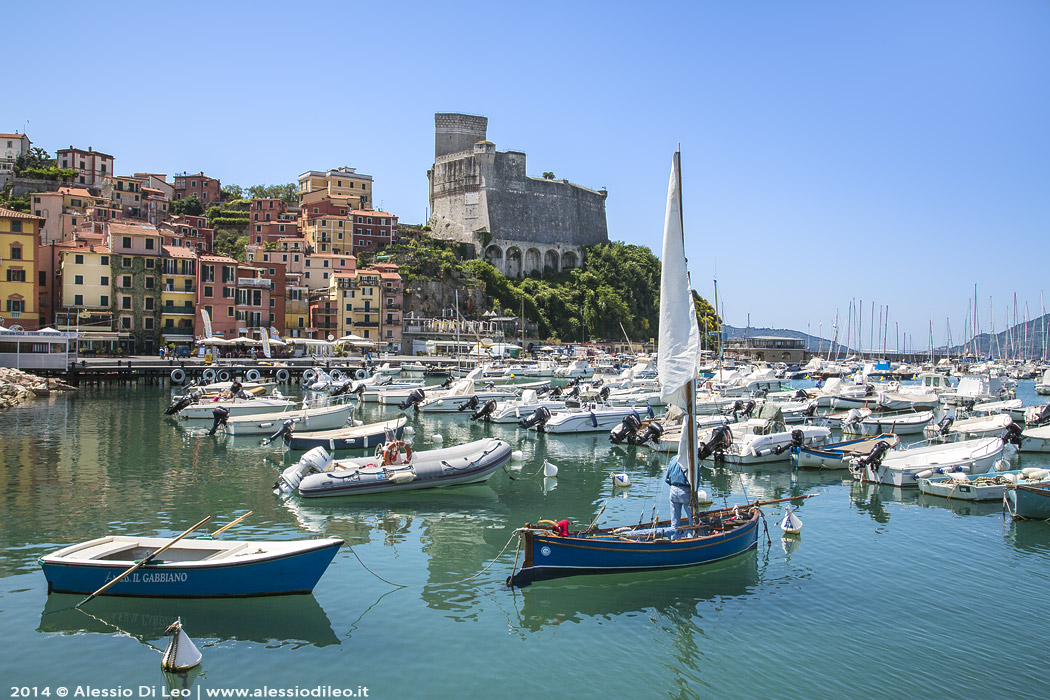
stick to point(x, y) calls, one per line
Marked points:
point(62, 211)
point(341, 182)
point(207, 189)
point(319, 268)
point(92, 166)
point(18, 278)
point(329, 235)
point(135, 261)
point(368, 303)
point(179, 294)
point(217, 294)
point(11, 147)
point(373, 229)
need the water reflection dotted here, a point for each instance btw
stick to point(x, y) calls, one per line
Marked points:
point(295, 620)
point(675, 595)
point(1031, 536)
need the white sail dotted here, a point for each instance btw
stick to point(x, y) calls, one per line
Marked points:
point(207, 323)
point(679, 349)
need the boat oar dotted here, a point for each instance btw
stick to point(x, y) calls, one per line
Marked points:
point(224, 528)
point(142, 563)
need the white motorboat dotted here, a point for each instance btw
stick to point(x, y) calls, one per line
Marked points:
point(589, 418)
point(577, 369)
point(236, 407)
point(1035, 439)
point(764, 438)
point(320, 418)
point(991, 486)
point(838, 454)
point(462, 395)
point(903, 400)
point(1043, 385)
point(516, 410)
point(1013, 407)
point(978, 389)
point(906, 467)
point(997, 424)
point(902, 423)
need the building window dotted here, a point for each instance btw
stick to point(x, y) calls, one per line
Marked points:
point(78, 259)
point(208, 291)
point(150, 262)
point(103, 300)
point(78, 300)
point(149, 283)
point(125, 262)
point(126, 242)
point(126, 282)
point(78, 279)
point(125, 302)
point(229, 311)
point(147, 323)
point(149, 244)
point(16, 275)
point(149, 303)
point(125, 322)
point(16, 250)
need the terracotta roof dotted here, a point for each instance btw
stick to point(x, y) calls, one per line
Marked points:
point(177, 251)
point(74, 191)
point(12, 214)
point(391, 275)
point(369, 212)
point(81, 150)
point(11, 136)
point(119, 227)
point(217, 258)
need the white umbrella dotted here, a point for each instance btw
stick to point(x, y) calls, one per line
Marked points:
point(352, 339)
point(213, 341)
point(244, 340)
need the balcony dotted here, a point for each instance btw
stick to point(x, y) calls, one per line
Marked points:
point(174, 290)
point(362, 324)
point(261, 282)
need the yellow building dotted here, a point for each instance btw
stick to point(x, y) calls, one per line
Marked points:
point(341, 182)
point(18, 239)
point(296, 307)
point(85, 275)
point(333, 234)
point(178, 296)
point(358, 298)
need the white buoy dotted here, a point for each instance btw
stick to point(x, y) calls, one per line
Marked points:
point(549, 484)
point(358, 423)
point(437, 437)
point(1002, 465)
point(517, 455)
point(181, 654)
point(409, 430)
point(702, 498)
point(791, 524)
point(621, 481)
point(549, 469)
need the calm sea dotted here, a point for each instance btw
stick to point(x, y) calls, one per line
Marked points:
point(887, 594)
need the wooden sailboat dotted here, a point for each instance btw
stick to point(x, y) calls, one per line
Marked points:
point(712, 536)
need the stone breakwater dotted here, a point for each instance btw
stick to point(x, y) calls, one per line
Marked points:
point(16, 386)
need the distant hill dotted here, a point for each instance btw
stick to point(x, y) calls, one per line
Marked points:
point(813, 343)
point(1023, 341)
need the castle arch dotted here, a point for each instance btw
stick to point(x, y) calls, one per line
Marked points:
point(532, 261)
point(550, 259)
point(513, 265)
point(494, 255)
point(569, 260)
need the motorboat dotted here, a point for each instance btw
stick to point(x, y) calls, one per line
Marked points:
point(905, 467)
point(978, 389)
point(350, 437)
point(395, 468)
point(319, 418)
point(1042, 387)
point(577, 369)
point(1028, 501)
point(996, 424)
point(462, 395)
point(236, 407)
point(191, 568)
point(902, 400)
point(1035, 439)
point(514, 410)
point(1013, 407)
point(764, 438)
point(837, 455)
point(589, 418)
point(980, 487)
point(899, 423)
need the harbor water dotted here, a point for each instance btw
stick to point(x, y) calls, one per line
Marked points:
point(886, 594)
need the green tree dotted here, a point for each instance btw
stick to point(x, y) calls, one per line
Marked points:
point(232, 192)
point(36, 159)
point(548, 175)
point(190, 206)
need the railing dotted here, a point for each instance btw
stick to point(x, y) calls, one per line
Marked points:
point(254, 282)
point(362, 324)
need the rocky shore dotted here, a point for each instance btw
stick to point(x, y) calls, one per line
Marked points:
point(16, 386)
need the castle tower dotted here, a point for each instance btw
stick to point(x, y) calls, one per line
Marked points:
point(456, 133)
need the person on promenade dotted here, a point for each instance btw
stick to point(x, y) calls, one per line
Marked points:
point(676, 479)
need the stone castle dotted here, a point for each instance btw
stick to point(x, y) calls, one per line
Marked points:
point(520, 224)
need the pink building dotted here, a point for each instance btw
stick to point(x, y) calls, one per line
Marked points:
point(267, 209)
point(271, 231)
point(206, 188)
point(217, 294)
point(372, 229)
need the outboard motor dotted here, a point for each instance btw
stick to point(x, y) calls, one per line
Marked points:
point(490, 385)
point(603, 395)
point(810, 410)
point(1013, 434)
point(597, 382)
point(798, 439)
point(869, 390)
point(852, 416)
point(315, 461)
point(219, 416)
point(448, 382)
point(737, 406)
point(874, 458)
point(800, 395)
point(414, 398)
point(556, 392)
point(486, 410)
point(181, 403)
point(472, 403)
point(626, 430)
point(721, 439)
point(573, 393)
point(538, 418)
point(968, 405)
point(749, 408)
point(286, 430)
point(652, 433)
point(761, 394)
point(543, 390)
point(343, 389)
point(944, 425)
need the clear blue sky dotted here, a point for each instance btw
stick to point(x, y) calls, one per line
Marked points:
point(892, 151)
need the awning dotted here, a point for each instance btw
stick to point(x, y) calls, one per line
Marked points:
point(104, 335)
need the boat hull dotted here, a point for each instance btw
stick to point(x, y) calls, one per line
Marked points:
point(283, 574)
point(266, 425)
point(1029, 502)
point(551, 556)
point(349, 439)
point(901, 468)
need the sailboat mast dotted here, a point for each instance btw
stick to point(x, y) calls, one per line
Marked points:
point(690, 388)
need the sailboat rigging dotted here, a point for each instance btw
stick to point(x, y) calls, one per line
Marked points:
point(711, 536)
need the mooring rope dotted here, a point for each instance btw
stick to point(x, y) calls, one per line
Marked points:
point(444, 583)
point(522, 478)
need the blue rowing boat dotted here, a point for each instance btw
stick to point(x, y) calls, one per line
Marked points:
point(1029, 501)
point(717, 535)
point(192, 568)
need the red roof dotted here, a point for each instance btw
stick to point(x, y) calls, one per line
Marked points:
point(178, 251)
point(140, 229)
point(217, 258)
point(12, 214)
